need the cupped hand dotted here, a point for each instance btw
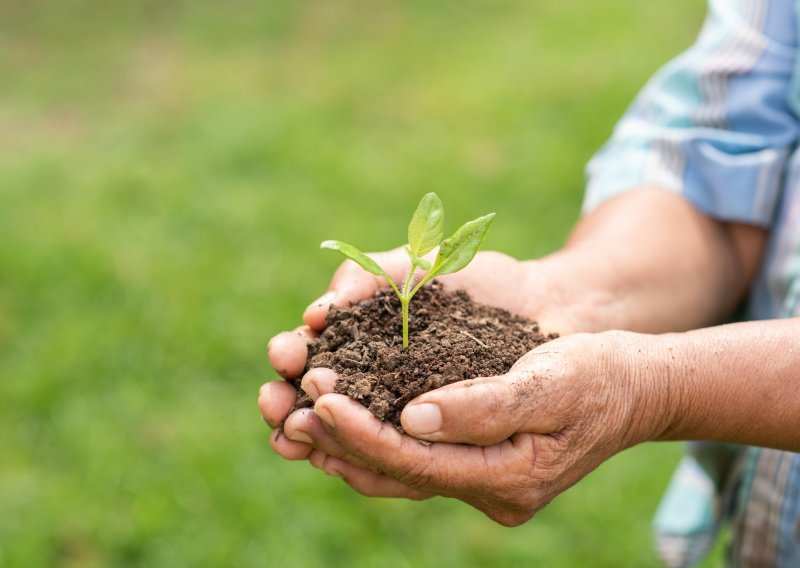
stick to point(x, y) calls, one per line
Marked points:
point(506, 445)
point(492, 278)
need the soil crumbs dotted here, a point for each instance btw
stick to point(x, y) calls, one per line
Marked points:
point(451, 338)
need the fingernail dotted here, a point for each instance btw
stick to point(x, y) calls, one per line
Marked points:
point(310, 388)
point(325, 415)
point(300, 436)
point(324, 300)
point(422, 419)
point(335, 473)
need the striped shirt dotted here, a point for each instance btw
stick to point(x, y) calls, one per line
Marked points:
point(719, 125)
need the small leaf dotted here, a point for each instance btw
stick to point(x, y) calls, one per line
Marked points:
point(457, 251)
point(356, 256)
point(421, 262)
point(427, 225)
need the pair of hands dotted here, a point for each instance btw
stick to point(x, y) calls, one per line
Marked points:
point(506, 445)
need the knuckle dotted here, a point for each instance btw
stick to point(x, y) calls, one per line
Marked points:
point(485, 413)
point(498, 423)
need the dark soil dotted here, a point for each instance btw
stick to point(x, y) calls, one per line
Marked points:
point(451, 339)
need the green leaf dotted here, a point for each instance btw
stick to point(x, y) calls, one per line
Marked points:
point(457, 251)
point(356, 256)
point(427, 225)
point(421, 262)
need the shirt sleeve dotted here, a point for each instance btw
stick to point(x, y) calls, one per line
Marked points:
point(717, 124)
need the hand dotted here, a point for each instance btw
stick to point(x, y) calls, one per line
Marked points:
point(492, 278)
point(506, 445)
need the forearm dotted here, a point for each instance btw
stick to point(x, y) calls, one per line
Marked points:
point(648, 261)
point(737, 383)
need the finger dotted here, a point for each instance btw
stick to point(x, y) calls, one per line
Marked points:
point(318, 381)
point(484, 411)
point(366, 482)
point(441, 468)
point(305, 426)
point(306, 332)
point(316, 312)
point(288, 351)
point(352, 284)
point(481, 411)
point(289, 449)
point(275, 400)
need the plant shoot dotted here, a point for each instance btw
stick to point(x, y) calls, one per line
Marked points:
point(425, 233)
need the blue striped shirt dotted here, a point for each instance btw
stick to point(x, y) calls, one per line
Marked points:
point(719, 125)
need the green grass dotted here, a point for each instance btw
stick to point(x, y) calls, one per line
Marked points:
point(167, 171)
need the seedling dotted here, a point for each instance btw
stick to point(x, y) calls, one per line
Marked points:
point(425, 233)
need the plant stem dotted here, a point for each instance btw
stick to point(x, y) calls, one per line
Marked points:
point(407, 285)
point(405, 323)
point(405, 298)
point(394, 287)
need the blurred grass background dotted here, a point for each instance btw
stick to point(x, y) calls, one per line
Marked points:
point(167, 170)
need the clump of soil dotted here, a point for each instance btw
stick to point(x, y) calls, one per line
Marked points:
point(451, 338)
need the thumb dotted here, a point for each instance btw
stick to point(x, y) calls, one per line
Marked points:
point(481, 411)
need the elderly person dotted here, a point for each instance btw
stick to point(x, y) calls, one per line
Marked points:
point(692, 211)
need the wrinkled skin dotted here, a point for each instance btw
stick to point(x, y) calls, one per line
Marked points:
point(506, 445)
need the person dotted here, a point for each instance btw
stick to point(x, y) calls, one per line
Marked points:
point(692, 210)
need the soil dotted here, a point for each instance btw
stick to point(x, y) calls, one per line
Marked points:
point(451, 338)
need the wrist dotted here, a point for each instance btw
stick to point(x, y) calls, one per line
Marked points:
point(661, 374)
point(650, 397)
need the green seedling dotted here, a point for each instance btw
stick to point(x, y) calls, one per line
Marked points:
point(425, 233)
